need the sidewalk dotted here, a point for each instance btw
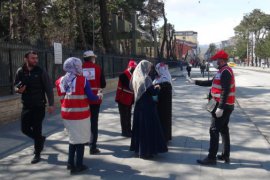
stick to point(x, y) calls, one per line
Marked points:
point(249, 150)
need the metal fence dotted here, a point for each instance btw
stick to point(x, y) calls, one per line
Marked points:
point(11, 58)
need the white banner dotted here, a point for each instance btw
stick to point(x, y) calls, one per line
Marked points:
point(89, 73)
point(57, 53)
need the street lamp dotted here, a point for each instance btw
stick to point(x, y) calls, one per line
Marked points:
point(247, 48)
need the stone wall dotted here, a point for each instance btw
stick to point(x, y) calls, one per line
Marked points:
point(10, 106)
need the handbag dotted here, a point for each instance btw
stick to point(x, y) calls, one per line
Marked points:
point(211, 105)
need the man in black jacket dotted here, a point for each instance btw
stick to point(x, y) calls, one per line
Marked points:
point(223, 92)
point(188, 68)
point(33, 83)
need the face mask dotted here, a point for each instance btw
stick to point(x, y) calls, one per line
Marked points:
point(215, 64)
point(93, 60)
point(132, 70)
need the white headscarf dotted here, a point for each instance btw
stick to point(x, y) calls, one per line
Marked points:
point(140, 80)
point(163, 74)
point(73, 67)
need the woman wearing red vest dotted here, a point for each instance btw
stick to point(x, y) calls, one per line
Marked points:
point(93, 73)
point(222, 92)
point(75, 91)
point(125, 98)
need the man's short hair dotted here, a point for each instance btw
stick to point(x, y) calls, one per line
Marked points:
point(26, 55)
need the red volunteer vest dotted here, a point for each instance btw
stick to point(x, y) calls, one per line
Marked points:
point(74, 106)
point(123, 95)
point(92, 72)
point(216, 86)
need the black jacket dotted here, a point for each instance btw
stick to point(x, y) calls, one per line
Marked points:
point(37, 84)
point(124, 80)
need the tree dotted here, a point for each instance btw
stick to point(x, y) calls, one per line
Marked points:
point(262, 49)
point(170, 40)
point(124, 9)
point(4, 20)
point(150, 14)
point(105, 25)
point(72, 23)
point(241, 48)
point(256, 25)
point(211, 51)
point(164, 39)
point(39, 11)
point(78, 11)
point(13, 21)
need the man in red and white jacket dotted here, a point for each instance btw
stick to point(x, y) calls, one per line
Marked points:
point(125, 98)
point(223, 92)
point(94, 74)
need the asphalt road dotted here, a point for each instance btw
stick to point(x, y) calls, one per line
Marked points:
point(253, 96)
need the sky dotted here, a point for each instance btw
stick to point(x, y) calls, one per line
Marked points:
point(214, 20)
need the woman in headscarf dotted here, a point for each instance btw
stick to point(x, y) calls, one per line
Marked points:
point(164, 102)
point(147, 135)
point(74, 92)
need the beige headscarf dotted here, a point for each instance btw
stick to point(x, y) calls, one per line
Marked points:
point(140, 80)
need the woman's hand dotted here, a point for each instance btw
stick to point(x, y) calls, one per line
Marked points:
point(157, 86)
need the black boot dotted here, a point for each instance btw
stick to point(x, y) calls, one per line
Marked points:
point(78, 169)
point(223, 158)
point(207, 161)
point(35, 159)
point(94, 151)
point(70, 166)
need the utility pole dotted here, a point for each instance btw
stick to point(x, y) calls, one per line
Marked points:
point(252, 50)
point(247, 48)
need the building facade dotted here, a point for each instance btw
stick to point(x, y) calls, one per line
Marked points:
point(186, 45)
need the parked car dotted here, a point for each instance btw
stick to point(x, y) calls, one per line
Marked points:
point(231, 64)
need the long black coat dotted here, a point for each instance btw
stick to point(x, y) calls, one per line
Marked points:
point(147, 134)
point(164, 107)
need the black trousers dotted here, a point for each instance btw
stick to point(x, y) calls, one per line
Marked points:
point(31, 125)
point(202, 72)
point(220, 125)
point(77, 149)
point(94, 108)
point(125, 118)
